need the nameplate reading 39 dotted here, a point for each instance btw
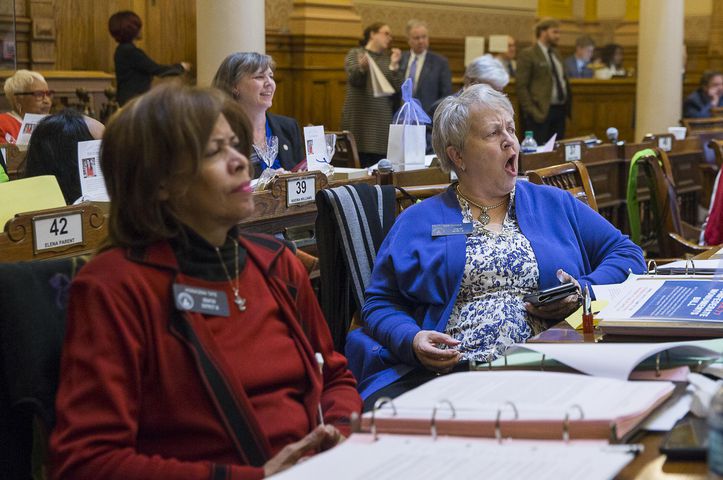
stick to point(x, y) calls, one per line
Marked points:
point(300, 190)
point(58, 231)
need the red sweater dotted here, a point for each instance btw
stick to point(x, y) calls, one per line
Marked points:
point(9, 128)
point(133, 400)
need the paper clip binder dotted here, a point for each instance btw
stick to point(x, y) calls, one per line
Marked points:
point(433, 421)
point(498, 417)
point(377, 405)
point(566, 421)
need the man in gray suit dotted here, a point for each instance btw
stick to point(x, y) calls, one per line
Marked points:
point(429, 71)
point(542, 87)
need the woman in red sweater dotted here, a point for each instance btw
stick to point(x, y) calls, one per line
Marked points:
point(190, 347)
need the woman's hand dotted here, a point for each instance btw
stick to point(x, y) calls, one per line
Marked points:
point(363, 61)
point(395, 58)
point(434, 358)
point(562, 308)
point(322, 438)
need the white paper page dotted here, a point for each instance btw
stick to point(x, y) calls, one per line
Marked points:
point(317, 156)
point(380, 85)
point(549, 146)
point(473, 47)
point(664, 418)
point(537, 395)
point(396, 457)
point(30, 121)
point(92, 184)
point(428, 159)
point(498, 43)
point(615, 360)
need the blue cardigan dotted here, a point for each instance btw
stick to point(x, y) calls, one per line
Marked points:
point(416, 277)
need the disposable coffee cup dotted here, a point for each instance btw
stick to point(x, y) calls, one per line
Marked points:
point(678, 132)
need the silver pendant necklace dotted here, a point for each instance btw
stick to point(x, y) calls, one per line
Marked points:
point(484, 217)
point(237, 299)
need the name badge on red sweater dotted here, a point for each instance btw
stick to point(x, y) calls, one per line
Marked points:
point(200, 300)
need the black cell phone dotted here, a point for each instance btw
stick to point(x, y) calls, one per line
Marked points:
point(688, 440)
point(543, 297)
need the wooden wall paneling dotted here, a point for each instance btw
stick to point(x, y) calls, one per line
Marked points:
point(170, 30)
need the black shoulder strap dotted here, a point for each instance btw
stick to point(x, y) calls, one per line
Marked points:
point(234, 417)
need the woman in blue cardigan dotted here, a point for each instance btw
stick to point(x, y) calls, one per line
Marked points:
point(449, 279)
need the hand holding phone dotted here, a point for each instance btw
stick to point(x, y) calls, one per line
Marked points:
point(550, 295)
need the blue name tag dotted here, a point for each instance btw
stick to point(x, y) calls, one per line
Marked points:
point(444, 229)
point(200, 300)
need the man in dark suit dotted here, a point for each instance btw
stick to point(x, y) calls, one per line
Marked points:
point(542, 87)
point(577, 65)
point(429, 71)
point(700, 103)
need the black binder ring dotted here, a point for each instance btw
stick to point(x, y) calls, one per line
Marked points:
point(566, 421)
point(652, 265)
point(377, 405)
point(692, 266)
point(433, 421)
point(498, 428)
point(542, 363)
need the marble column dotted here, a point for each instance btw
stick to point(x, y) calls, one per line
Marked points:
point(224, 27)
point(658, 99)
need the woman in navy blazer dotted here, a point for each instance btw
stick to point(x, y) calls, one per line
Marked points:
point(249, 78)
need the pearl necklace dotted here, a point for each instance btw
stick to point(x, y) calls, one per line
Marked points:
point(237, 299)
point(484, 217)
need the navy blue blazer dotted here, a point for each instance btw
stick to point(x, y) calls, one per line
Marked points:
point(291, 141)
point(571, 70)
point(697, 105)
point(435, 79)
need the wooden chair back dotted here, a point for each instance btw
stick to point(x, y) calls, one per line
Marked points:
point(14, 159)
point(697, 124)
point(570, 176)
point(409, 195)
point(716, 112)
point(56, 232)
point(716, 145)
point(345, 152)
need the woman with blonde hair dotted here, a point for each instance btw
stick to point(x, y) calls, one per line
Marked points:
point(27, 92)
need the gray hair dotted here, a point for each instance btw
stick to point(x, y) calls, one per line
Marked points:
point(414, 23)
point(20, 82)
point(452, 119)
point(486, 69)
point(236, 66)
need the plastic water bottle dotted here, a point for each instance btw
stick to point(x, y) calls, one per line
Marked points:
point(715, 436)
point(528, 145)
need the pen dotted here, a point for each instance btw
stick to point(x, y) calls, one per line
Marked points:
point(587, 324)
point(320, 362)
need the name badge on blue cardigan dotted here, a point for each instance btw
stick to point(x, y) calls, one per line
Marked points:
point(444, 229)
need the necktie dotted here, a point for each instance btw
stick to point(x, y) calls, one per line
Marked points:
point(510, 70)
point(558, 83)
point(413, 72)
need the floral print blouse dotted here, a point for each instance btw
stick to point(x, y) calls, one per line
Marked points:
point(500, 269)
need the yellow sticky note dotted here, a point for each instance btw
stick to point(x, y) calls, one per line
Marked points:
point(575, 320)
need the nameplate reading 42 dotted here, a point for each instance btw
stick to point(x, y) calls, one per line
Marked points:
point(58, 232)
point(300, 190)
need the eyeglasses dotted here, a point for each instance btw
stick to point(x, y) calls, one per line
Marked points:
point(39, 94)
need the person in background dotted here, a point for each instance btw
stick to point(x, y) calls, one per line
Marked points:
point(577, 65)
point(53, 149)
point(542, 87)
point(27, 92)
point(201, 360)
point(700, 103)
point(508, 58)
point(368, 117)
point(429, 71)
point(435, 300)
point(248, 77)
point(134, 70)
point(611, 58)
point(485, 69)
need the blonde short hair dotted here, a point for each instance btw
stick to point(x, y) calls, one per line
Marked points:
point(18, 83)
